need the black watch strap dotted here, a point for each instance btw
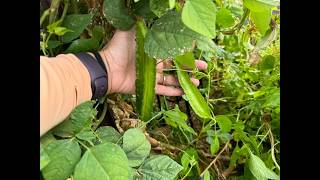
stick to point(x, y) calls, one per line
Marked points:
point(98, 75)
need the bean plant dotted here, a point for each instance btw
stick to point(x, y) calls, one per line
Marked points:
point(226, 128)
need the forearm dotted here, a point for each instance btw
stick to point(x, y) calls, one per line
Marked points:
point(64, 84)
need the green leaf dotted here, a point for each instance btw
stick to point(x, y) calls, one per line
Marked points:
point(206, 175)
point(261, 20)
point(200, 16)
point(159, 7)
point(196, 100)
point(142, 9)
point(187, 157)
point(53, 44)
point(98, 33)
point(267, 62)
point(260, 5)
point(47, 138)
point(146, 76)
point(159, 167)
point(136, 146)
point(214, 146)
point(44, 158)
point(105, 161)
point(176, 118)
point(86, 135)
point(80, 118)
point(224, 123)
point(83, 45)
point(224, 18)
point(108, 134)
point(172, 3)
point(64, 155)
point(117, 14)
point(235, 156)
point(273, 100)
point(169, 37)
point(187, 61)
point(61, 31)
point(259, 169)
point(77, 24)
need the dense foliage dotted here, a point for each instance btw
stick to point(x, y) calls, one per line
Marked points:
point(227, 128)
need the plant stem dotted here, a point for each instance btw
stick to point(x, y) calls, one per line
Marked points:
point(215, 159)
point(65, 9)
point(43, 16)
point(239, 25)
point(187, 172)
point(272, 147)
point(54, 10)
point(83, 144)
point(103, 114)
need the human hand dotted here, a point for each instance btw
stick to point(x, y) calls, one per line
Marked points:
point(119, 56)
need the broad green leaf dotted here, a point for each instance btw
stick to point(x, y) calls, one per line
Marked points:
point(47, 138)
point(159, 7)
point(224, 136)
point(64, 155)
point(224, 18)
point(52, 26)
point(44, 158)
point(86, 135)
point(187, 156)
point(196, 100)
point(117, 14)
point(260, 5)
point(176, 118)
point(273, 100)
point(224, 123)
point(206, 175)
point(239, 126)
point(98, 33)
point(267, 63)
point(169, 37)
point(105, 161)
point(261, 20)
point(136, 146)
point(80, 119)
point(200, 16)
point(187, 61)
point(77, 24)
point(146, 76)
point(108, 134)
point(83, 45)
point(53, 44)
point(214, 146)
point(159, 167)
point(259, 169)
point(60, 31)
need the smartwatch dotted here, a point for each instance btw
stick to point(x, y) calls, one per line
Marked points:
point(98, 73)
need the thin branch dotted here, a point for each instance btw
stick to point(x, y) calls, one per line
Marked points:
point(215, 159)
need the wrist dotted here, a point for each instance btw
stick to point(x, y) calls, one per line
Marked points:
point(108, 59)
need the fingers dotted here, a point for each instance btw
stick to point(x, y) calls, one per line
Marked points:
point(168, 90)
point(167, 80)
point(201, 65)
point(168, 85)
point(164, 64)
point(195, 81)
